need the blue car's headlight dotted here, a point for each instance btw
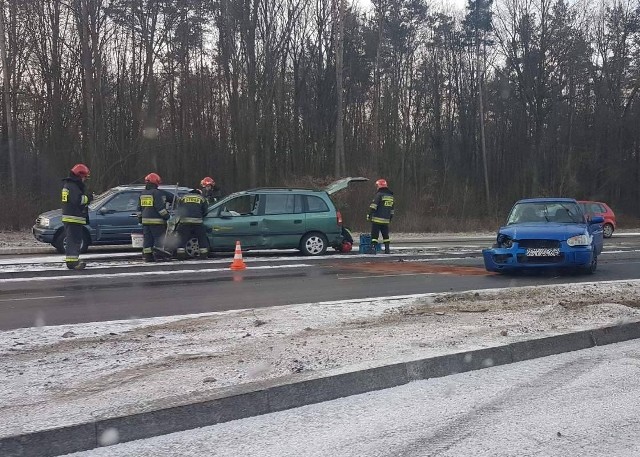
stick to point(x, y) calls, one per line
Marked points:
point(44, 221)
point(579, 240)
point(504, 241)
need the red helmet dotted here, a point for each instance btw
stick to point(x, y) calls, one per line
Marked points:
point(207, 181)
point(380, 183)
point(346, 247)
point(153, 178)
point(81, 170)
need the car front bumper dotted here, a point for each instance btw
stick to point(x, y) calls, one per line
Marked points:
point(43, 234)
point(503, 259)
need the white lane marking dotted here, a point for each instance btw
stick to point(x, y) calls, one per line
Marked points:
point(144, 273)
point(59, 258)
point(100, 260)
point(31, 298)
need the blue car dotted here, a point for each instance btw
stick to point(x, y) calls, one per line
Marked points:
point(112, 219)
point(545, 233)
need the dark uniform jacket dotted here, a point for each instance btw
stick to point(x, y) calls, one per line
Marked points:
point(152, 206)
point(74, 201)
point(212, 195)
point(192, 208)
point(381, 209)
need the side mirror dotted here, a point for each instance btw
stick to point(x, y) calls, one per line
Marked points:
point(225, 214)
point(104, 210)
point(596, 220)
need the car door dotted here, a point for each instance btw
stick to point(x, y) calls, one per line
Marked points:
point(283, 221)
point(117, 217)
point(236, 219)
point(321, 216)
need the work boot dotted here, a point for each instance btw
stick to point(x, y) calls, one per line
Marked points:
point(161, 257)
point(203, 254)
point(181, 254)
point(80, 265)
point(148, 258)
point(386, 248)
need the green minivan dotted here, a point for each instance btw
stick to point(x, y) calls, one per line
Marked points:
point(276, 218)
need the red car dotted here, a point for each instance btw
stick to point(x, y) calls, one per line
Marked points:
point(591, 209)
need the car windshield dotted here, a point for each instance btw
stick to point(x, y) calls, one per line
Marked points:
point(99, 200)
point(531, 212)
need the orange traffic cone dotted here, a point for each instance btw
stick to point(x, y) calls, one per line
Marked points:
point(238, 263)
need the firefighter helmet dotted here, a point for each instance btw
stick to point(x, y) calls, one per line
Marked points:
point(381, 183)
point(153, 178)
point(207, 181)
point(81, 170)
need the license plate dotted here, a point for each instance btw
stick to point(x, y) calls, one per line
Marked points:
point(543, 252)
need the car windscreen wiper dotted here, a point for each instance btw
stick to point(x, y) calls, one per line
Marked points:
point(546, 213)
point(571, 214)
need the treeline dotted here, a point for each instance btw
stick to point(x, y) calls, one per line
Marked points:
point(462, 111)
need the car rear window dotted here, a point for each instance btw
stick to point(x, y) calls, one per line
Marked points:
point(316, 204)
point(593, 208)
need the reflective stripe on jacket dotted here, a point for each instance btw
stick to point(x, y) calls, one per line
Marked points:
point(381, 208)
point(152, 206)
point(192, 208)
point(74, 201)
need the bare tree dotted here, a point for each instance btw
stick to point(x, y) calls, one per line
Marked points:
point(339, 156)
point(6, 93)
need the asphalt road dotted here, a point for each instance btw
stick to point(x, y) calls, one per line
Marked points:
point(43, 293)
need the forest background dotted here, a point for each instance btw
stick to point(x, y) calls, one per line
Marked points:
point(462, 109)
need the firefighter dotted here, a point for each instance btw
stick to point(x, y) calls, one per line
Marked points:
point(380, 215)
point(75, 202)
point(192, 208)
point(210, 190)
point(153, 215)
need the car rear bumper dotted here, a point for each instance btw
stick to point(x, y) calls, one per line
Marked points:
point(501, 259)
point(43, 234)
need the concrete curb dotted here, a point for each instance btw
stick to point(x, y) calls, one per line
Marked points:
point(28, 250)
point(271, 396)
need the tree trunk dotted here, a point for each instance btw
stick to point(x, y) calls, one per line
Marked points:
point(339, 159)
point(480, 71)
point(6, 92)
point(88, 86)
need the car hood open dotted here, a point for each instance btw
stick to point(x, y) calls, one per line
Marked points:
point(549, 230)
point(342, 184)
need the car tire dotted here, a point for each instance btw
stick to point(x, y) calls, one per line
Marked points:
point(192, 248)
point(607, 230)
point(59, 242)
point(313, 244)
point(592, 267)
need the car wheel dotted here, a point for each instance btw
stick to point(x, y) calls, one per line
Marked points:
point(313, 244)
point(60, 242)
point(592, 267)
point(192, 248)
point(608, 230)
